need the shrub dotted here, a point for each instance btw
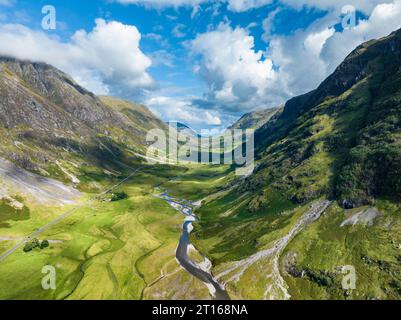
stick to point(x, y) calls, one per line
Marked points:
point(119, 196)
point(29, 246)
point(35, 243)
point(44, 244)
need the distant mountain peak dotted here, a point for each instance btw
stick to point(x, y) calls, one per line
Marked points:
point(181, 127)
point(255, 120)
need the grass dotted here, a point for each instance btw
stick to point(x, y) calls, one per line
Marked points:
point(232, 237)
point(126, 249)
point(199, 181)
point(9, 213)
point(109, 250)
point(325, 247)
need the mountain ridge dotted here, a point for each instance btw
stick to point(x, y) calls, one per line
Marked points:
point(340, 142)
point(364, 69)
point(45, 116)
point(255, 120)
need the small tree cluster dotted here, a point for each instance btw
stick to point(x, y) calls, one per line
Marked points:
point(35, 243)
point(117, 196)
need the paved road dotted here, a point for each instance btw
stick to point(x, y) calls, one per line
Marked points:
point(65, 215)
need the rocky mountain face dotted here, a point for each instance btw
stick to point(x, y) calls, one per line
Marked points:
point(23, 81)
point(341, 140)
point(44, 113)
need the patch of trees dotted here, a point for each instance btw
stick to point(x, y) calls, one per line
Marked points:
point(35, 243)
point(369, 173)
point(117, 196)
point(321, 278)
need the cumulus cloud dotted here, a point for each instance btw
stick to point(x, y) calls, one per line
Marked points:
point(307, 57)
point(236, 74)
point(164, 3)
point(268, 23)
point(384, 19)
point(245, 5)
point(233, 5)
point(362, 5)
point(242, 79)
point(106, 60)
point(182, 110)
point(298, 56)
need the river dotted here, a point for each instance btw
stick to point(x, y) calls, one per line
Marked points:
point(216, 289)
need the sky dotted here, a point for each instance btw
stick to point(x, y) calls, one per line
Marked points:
point(201, 62)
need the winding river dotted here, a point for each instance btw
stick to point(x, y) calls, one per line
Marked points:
point(216, 290)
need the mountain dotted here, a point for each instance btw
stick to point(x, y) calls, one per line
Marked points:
point(319, 218)
point(139, 116)
point(326, 191)
point(255, 120)
point(45, 117)
point(183, 128)
point(342, 139)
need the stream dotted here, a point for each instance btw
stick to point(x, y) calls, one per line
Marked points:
point(216, 290)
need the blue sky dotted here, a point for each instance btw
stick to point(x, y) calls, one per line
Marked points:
point(197, 61)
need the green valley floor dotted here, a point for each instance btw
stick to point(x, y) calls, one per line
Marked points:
point(106, 249)
point(125, 249)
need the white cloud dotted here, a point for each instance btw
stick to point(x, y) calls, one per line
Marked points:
point(182, 110)
point(361, 5)
point(164, 3)
point(7, 2)
point(178, 30)
point(307, 57)
point(237, 75)
point(241, 78)
point(384, 19)
point(268, 23)
point(106, 60)
point(162, 58)
point(233, 5)
point(298, 58)
point(245, 5)
point(159, 39)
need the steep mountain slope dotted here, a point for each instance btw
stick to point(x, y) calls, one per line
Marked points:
point(343, 139)
point(46, 118)
point(61, 148)
point(255, 120)
point(341, 142)
point(141, 118)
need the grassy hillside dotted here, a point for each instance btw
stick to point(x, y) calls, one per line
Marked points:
point(46, 118)
point(325, 194)
point(107, 250)
point(339, 142)
point(140, 118)
point(255, 120)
